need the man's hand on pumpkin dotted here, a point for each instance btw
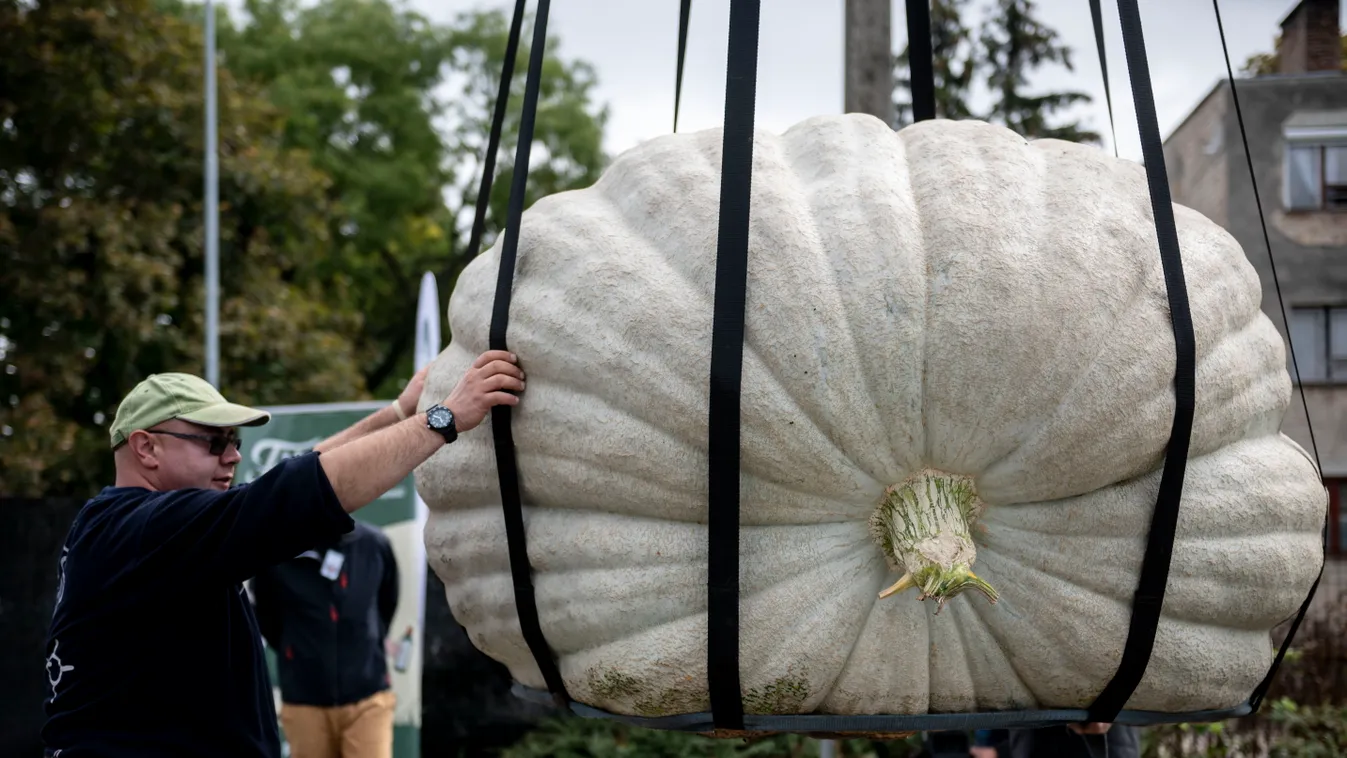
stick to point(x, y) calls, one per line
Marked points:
point(490, 382)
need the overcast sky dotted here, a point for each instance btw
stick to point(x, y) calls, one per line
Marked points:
point(633, 46)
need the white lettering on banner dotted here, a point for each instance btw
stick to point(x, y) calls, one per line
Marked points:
point(269, 451)
point(60, 579)
point(265, 453)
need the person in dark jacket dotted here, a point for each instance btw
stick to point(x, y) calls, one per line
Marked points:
point(1076, 741)
point(989, 743)
point(153, 648)
point(327, 613)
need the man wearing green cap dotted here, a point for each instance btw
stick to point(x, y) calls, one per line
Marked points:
point(153, 648)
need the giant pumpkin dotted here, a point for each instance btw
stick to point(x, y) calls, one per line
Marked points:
point(958, 371)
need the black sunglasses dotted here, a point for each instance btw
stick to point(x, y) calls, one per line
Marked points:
point(218, 442)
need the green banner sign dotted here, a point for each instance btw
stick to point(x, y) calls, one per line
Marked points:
point(295, 430)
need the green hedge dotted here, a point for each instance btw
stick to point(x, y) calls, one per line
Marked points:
point(573, 737)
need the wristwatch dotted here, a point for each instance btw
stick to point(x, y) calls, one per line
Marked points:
point(441, 419)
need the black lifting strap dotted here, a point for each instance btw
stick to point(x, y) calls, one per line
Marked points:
point(507, 468)
point(1150, 593)
point(1256, 699)
point(1097, 16)
point(727, 362)
point(497, 123)
point(920, 59)
point(684, 11)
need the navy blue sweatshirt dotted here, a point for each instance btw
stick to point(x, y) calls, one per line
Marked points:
point(153, 648)
point(328, 633)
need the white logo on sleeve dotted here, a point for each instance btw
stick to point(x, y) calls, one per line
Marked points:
point(55, 669)
point(60, 577)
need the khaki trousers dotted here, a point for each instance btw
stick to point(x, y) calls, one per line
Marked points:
point(362, 729)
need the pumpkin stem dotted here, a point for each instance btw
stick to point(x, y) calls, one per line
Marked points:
point(899, 586)
point(922, 526)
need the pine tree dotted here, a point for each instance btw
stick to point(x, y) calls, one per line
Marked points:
point(1014, 44)
point(955, 63)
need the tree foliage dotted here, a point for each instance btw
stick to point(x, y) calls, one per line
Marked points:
point(350, 135)
point(1263, 64)
point(1016, 43)
point(101, 230)
point(396, 109)
point(954, 56)
point(1009, 45)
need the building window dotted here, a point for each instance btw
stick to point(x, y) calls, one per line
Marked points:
point(1319, 337)
point(1315, 170)
point(1316, 177)
point(1215, 140)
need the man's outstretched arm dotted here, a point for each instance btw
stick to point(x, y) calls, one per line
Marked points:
point(365, 467)
point(233, 534)
point(382, 418)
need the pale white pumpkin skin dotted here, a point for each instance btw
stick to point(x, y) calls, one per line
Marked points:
point(947, 296)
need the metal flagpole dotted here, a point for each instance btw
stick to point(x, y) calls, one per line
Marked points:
point(212, 209)
point(427, 341)
point(427, 349)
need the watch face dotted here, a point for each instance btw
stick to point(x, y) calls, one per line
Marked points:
point(439, 417)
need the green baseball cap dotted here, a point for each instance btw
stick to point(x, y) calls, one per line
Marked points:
point(161, 397)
